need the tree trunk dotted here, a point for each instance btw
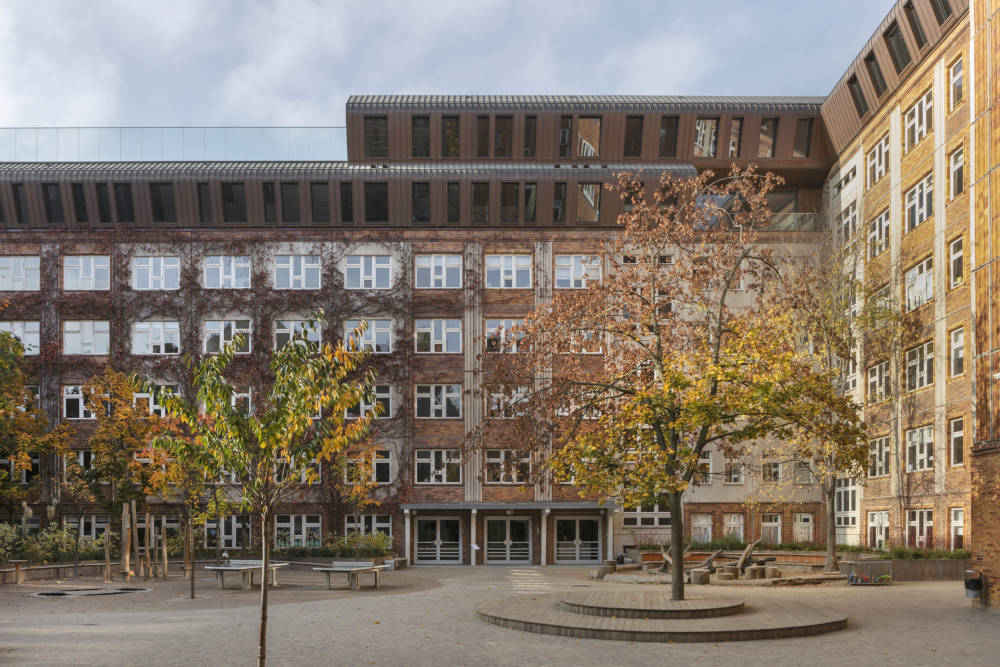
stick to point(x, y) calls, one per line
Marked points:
point(76, 548)
point(107, 551)
point(190, 550)
point(265, 543)
point(676, 547)
point(831, 529)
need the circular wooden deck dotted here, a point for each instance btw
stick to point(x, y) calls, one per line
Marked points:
point(647, 604)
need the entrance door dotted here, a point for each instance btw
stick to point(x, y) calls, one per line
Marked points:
point(770, 528)
point(878, 529)
point(802, 527)
point(508, 540)
point(439, 541)
point(578, 540)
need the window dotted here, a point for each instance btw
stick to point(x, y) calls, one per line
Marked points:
point(53, 203)
point(559, 201)
point(768, 136)
point(368, 524)
point(156, 273)
point(483, 136)
point(735, 136)
point(87, 272)
point(500, 336)
point(878, 161)
point(878, 382)
point(439, 466)
point(381, 396)
point(151, 399)
point(920, 448)
point(506, 466)
point(376, 136)
point(956, 264)
point(573, 271)
point(848, 222)
point(509, 194)
point(123, 202)
point(588, 136)
point(956, 93)
point(439, 401)
point(878, 529)
point(588, 202)
point(438, 271)
point(649, 514)
point(381, 468)
point(234, 202)
point(732, 525)
point(319, 198)
point(839, 186)
point(103, 202)
point(227, 272)
point(878, 235)
point(508, 404)
point(956, 172)
point(86, 336)
point(565, 135)
point(920, 366)
point(28, 332)
point(771, 472)
point(156, 337)
point(956, 439)
point(296, 272)
point(733, 472)
point(74, 405)
point(439, 336)
point(633, 136)
point(875, 75)
point(79, 202)
point(858, 96)
point(668, 136)
point(347, 202)
point(298, 530)
point(701, 527)
point(803, 137)
point(420, 136)
point(920, 284)
point(915, 27)
point(19, 273)
point(919, 528)
point(503, 136)
point(530, 194)
point(94, 525)
point(770, 528)
point(161, 197)
point(942, 10)
point(376, 202)
point(530, 133)
point(878, 457)
point(845, 502)
point(368, 272)
point(480, 202)
point(450, 137)
point(420, 201)
point(917, 121)
point(454, 201)
point(377, 337)
point(289, 202)
point(204, 203)
point(508, 271)
point(919, 202)
point(219, 333)
point(287, 330)
point(957, 528)
point(802, 473)
point(957, 351)
point(705, 130)
point(20, 202)
point(896, 43)
point(703, 469)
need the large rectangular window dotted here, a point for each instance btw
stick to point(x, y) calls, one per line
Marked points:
point(377, 337)
point(19, 273)
point(565, 136)
point(588, 202)
point(508, 271)
point(919, 202)
point(219, 333)
point(942, 10)
point(559, 201)
point(439, 401)
point(875, 75)
point(955, 88)
point(381, 397)
point(878, 161)
point(735, 136)
point(506, 466)
point(588, 136)
point(290, 202)
point(156, 273)
point(270, 202)
point(285, 331)
point(803, 137)
point(918, 120)
point(633, 136)
point(920, 448)
point(450, 138)
point(768, 137)
point(438, 336)
point(483, 136)
point(956, 263)
point(705, 136)
point(319, 198)
point(530, 196)
point(156, 337)
point(347, 202)
point(439, 466)
point(376, 136)
point(915, 27)
point(500, 336)
point(896, 43)
point(956, 438)
point(920, 284)
point(878, 457)
point(668, 136)
point(858, 96)
point(920, 366)
point(20, 203)
point(503, 136)
point(509, 195)
point(956, 172)
point(86, 336)
point(227, 272)
point(454, 201)
point(204, 203)
point(368, 272)
point(575, 271)
point(103, 202)
point(234, 202)
point(420, 201)
point(53, 203)
point(420, 136)
point(438, 271)
point(161, 197)
point(79, 202)
point(530, 135)
point(957, 362)
point(376, 202)
point(87, 272)
point(74, 403)
point(878, 382)
point(28, 332)
point(878, 235)
point(296, 272)
point(480, 202)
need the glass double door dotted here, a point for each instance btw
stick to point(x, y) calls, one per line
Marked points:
point(439, 540)
point(578, 540)
point(508, 540)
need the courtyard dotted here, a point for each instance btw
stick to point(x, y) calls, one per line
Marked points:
point(426, 616)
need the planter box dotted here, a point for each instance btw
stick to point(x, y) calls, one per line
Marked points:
point(937, 569)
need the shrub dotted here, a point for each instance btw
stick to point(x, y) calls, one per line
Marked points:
point(346, 546)
point(726, 543)
point(911, 553)
point(10, 541)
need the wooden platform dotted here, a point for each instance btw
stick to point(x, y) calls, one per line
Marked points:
point(647, 604)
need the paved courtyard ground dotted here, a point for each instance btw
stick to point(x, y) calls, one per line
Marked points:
point(425, 616)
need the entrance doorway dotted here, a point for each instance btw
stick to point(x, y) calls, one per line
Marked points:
point(508, 540)
point(802, 527)
point(578, 540)
point(439, 540)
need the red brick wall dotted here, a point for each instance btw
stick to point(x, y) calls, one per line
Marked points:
point(986, 518)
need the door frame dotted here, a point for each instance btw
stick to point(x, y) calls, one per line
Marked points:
point(599, 519)
point(438, 519)
point(507, 519)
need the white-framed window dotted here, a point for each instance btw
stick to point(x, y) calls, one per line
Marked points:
point(732, 525)
point(920, 448)
point(297, 272)
point(703, 469)
point(21, 476)
point(219, 333)
point(74, 405)
point(878, 161)
point(151, 398)
point(878, 235)
point(26, 331)
point(956, 262)
point(574, 271)
point(701, 527)
point(955, 88)
point(19, 273)
point(86, 272)
point(771, 472)
point(438, 336)
point(845, 502)
point(654, 514)
point(242, 401)
point(957, 351)
point(917, 120)
point(438, 271)
point(506, 466)
point(156, 273)
point(227, 272)
point(920, 528)
point(377, 338)
point(505, 406)
point(878, 457)
point(382, 395)
point(956, 440)
point(920, 284)
point(508, 271)
point(381, 468)
point(770, 528)
point(94, 525)
point(919, 202)
point(86, 336)
point(878, 381)
point(298, 530)
point(439, 401)
point(849, 370)
point(367, 524)
point(500, 336)
point(156, 337)
point(920, 366)
point(368, 272)
point(878, 529)
point(286, 330)
point(439, 466)
point(848, 222)
point(957, 528)
point(733, 472)
point(956, 173)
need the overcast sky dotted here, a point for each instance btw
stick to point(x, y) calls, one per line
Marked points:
point(295, 62)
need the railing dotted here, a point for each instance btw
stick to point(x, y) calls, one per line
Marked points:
point(172, 144)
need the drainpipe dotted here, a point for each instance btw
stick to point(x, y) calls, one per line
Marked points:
point(545, 535)
point(406, 536)
point(472, 539)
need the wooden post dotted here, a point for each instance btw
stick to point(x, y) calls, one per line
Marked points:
point(107, 552)
point(156, 552)
point(150, 541)
point(135, 539)
point(190, 541)
point(126, 543)
point(163, 532)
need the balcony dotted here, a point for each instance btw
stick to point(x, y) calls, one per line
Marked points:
point(795, 222)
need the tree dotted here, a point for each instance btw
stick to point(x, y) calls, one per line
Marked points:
point(268, 450)
point(675, 340)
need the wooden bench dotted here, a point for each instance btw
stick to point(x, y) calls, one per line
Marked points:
point(246, 568)
point(353, 570)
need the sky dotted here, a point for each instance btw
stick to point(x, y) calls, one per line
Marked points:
point(295, 62)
